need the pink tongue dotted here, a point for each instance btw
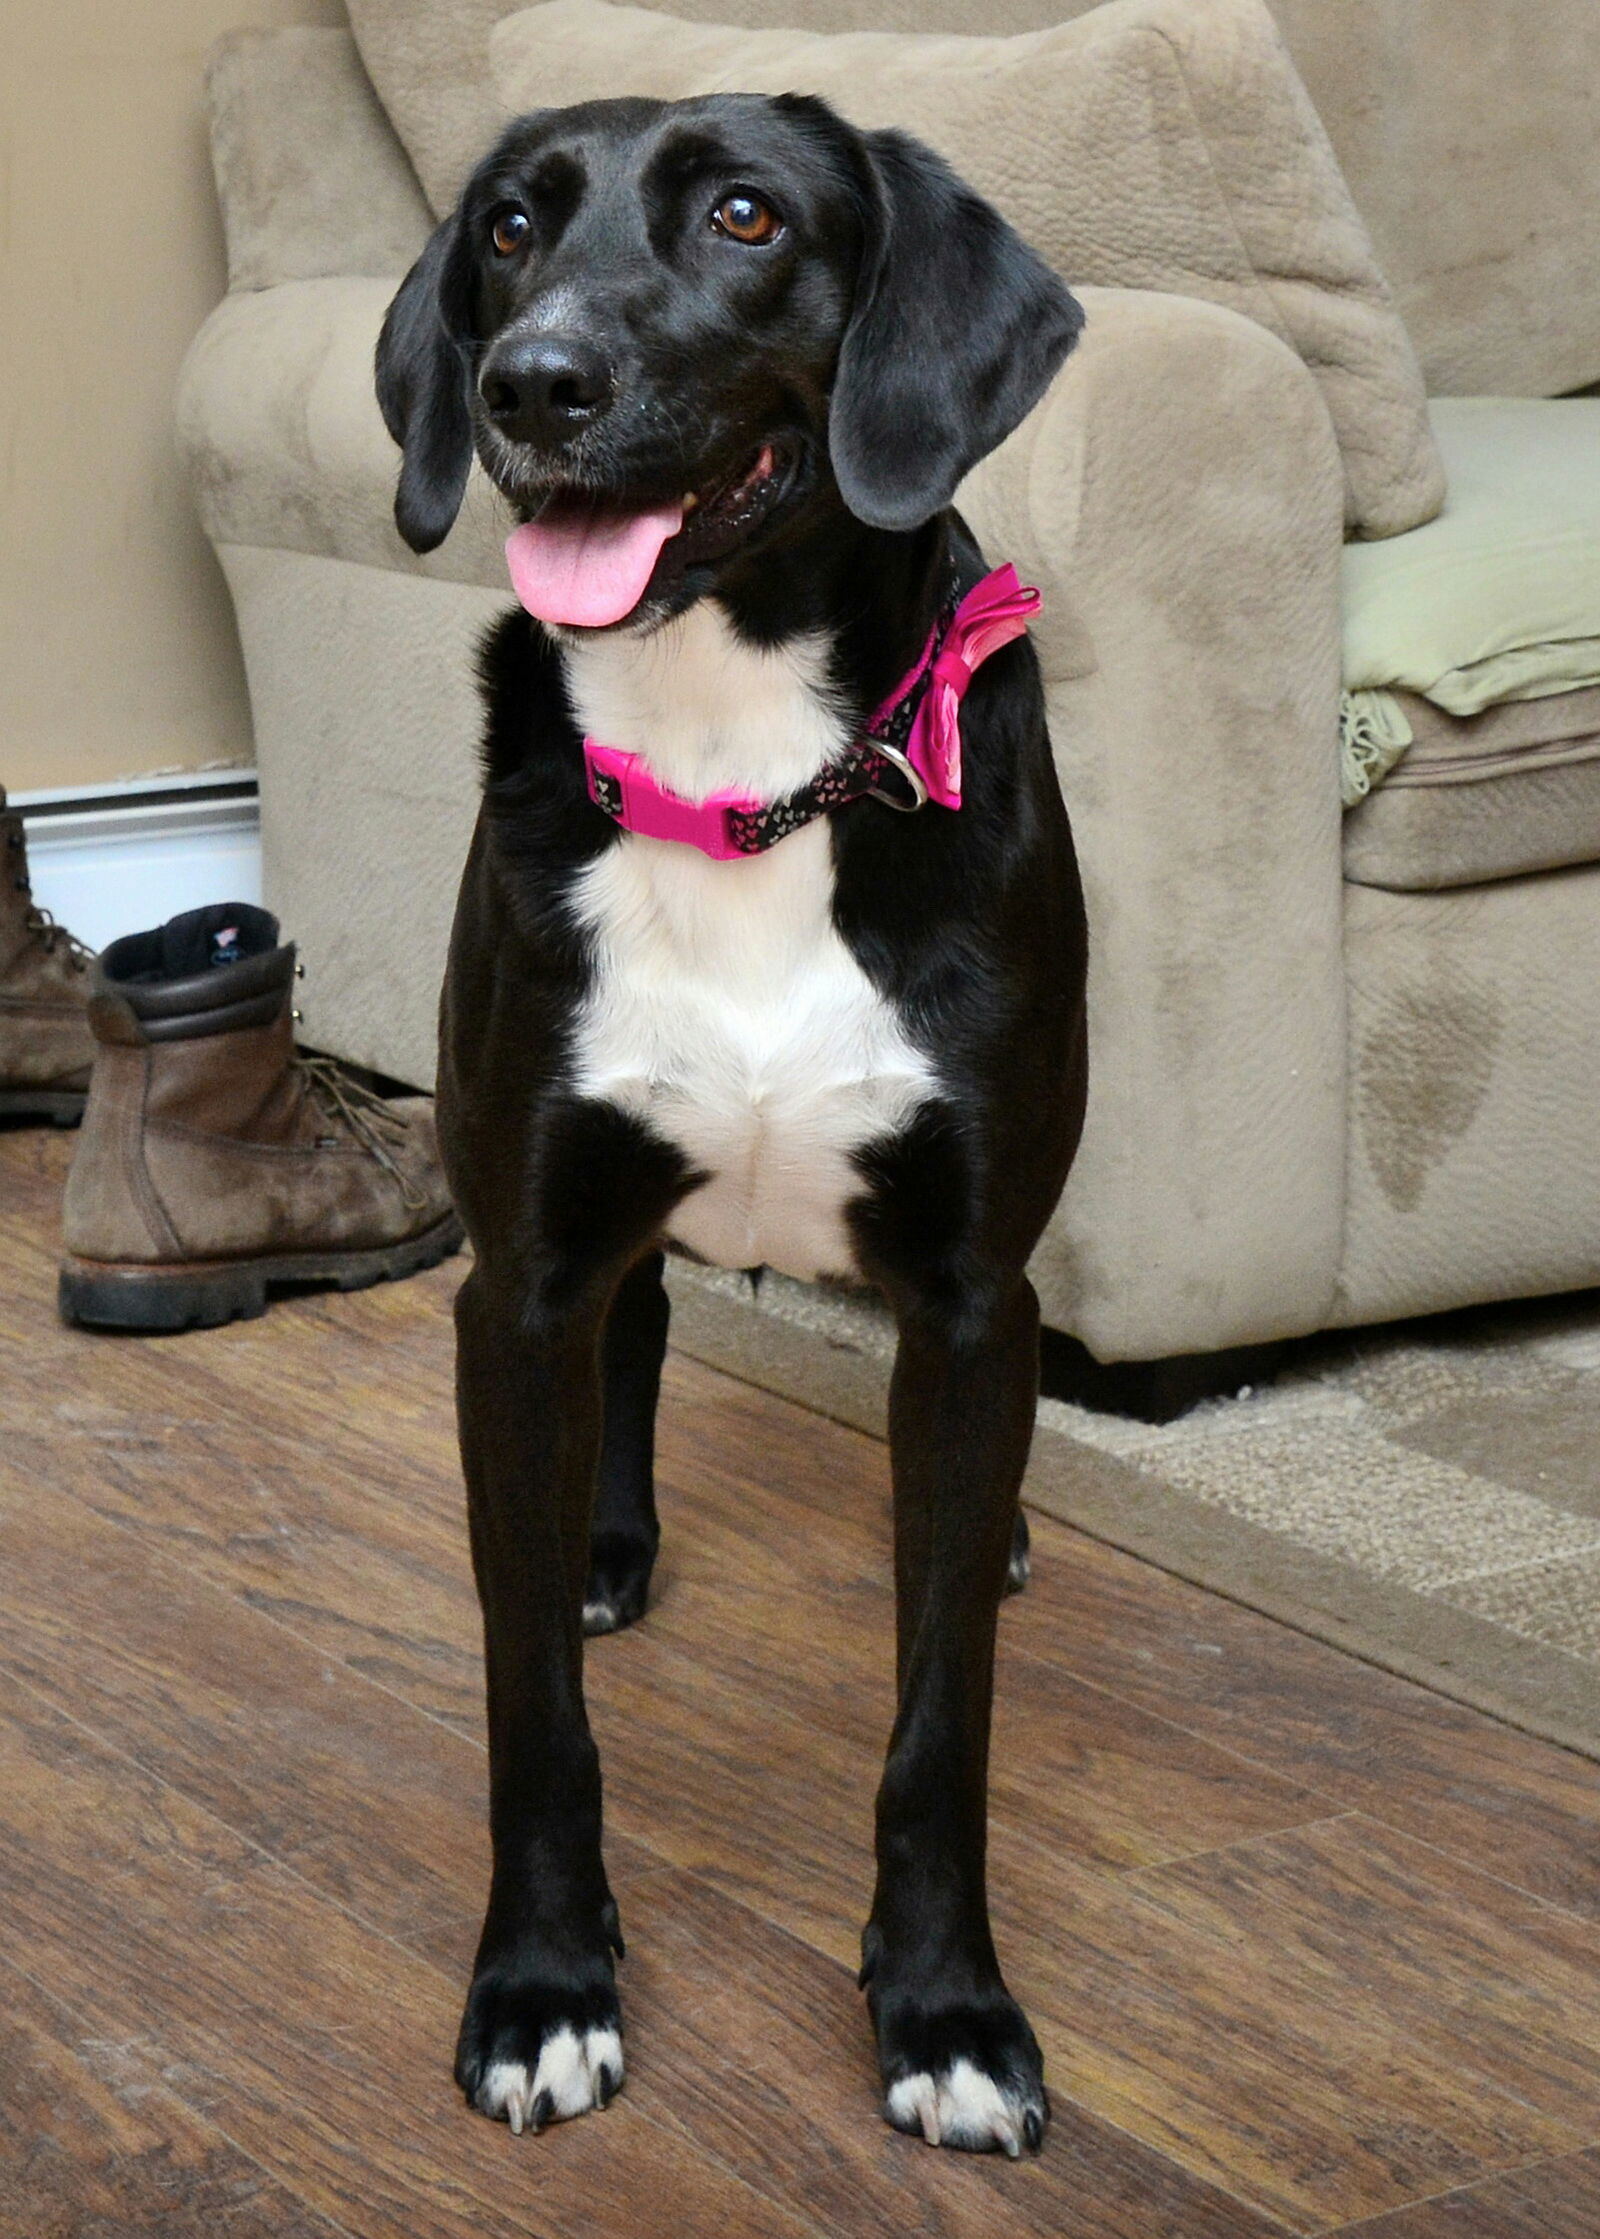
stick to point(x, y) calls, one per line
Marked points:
point(588, 568)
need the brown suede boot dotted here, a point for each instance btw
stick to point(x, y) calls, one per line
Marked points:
point(45, 1045)
point(214, 1162)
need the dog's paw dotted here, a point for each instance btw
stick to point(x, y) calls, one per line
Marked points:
point(619, 1582)
point(970, 2077)
point(963, 2107)
point(571, 2076)
point(530, 2057)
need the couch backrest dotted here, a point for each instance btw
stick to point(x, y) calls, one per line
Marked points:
point(1469, 131)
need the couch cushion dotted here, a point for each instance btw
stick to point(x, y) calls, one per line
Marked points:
point(1499, 598)
point(1467, 131)
point(429, 59)
point(1152, 144)
point(310, 176)
point(1489, 796)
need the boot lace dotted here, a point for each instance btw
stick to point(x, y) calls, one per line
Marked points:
point(40, 922)
point(374, 1124)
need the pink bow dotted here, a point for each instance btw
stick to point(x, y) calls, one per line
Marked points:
point(993, 613)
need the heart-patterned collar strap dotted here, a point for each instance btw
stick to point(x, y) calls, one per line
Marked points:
point(910, 752)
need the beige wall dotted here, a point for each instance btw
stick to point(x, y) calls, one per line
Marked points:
point(117, 647)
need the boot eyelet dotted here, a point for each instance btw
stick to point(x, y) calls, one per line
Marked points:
point(297, 1016)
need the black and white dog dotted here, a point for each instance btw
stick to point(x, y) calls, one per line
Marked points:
point(728, 359)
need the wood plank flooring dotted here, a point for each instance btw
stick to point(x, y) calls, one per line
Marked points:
point(1309, 1950)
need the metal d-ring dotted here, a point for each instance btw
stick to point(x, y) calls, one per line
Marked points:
point(912, 776)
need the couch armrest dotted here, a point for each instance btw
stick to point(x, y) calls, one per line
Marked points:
point(279, 429)
point(1177, 495)
point(312, 180)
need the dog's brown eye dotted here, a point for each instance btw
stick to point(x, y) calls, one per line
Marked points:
point(510, 231)
point(743, 218)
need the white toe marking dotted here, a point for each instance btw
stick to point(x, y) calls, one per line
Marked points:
point(505, 2091)
point(562, 2073)
point(577, 2075)
point(598, 1613)
point(972, 2107)
point(914, 2104)
point(603, 2048)
point(961, 2107)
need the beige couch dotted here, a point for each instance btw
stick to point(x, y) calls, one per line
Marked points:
point(1317, 1099)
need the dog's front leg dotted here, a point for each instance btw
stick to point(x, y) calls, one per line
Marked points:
point(626, 1534)
point(959, 2061)
point(541, 2036)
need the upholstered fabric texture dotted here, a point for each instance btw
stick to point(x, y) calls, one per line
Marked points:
point(1192, 714)
point(311, 179)
point(1153, 144)
point(1468, 131)
point(362, 681)
point(279, 428)
point(1497, 795)
point(1474, 1082)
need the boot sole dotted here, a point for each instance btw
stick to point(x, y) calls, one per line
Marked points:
point(101, 1295)
point(63, 1107)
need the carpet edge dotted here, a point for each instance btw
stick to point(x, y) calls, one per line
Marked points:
point(1536, 1689)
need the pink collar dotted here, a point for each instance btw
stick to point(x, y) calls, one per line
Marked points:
point(914, 737)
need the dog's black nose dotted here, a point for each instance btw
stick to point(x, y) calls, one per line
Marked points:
point(542, 388)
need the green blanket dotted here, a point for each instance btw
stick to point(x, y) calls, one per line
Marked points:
point(1497, 599)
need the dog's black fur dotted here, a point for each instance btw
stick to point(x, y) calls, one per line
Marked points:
point(894, 333)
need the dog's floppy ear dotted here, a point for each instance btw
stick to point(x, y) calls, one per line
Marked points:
point(956, 331)
point(422, 372)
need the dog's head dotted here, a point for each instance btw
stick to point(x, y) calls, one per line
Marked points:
point(672, 329)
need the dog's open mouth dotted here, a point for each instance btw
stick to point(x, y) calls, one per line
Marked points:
point(588, 558)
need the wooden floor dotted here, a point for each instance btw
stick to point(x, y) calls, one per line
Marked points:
point(1308, 1949)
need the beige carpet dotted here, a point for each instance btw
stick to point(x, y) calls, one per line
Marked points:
point(1426, 1495)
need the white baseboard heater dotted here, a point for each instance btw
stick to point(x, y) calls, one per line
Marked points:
point(111, 859)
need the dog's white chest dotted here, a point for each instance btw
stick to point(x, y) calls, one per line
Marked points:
point(725, 1009)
